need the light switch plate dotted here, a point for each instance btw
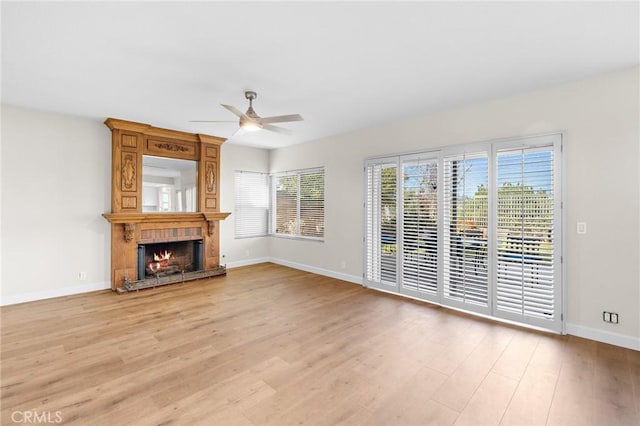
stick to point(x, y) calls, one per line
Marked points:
point(581, 227)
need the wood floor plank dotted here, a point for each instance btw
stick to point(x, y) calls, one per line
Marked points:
point(489, 402)
point(532, 399)
point(461, 385)
point(270, 345)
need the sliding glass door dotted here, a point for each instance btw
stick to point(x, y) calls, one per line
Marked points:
point(419, 226)
point(476, 227)
point(381, 225)
point(528, 270)
point(466, 227)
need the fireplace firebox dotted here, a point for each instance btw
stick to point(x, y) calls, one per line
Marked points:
point(167, 258)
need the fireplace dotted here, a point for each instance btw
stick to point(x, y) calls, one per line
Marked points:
point(167, 258)
point(175, 246)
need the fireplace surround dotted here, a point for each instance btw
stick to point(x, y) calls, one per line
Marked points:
point(132, 228)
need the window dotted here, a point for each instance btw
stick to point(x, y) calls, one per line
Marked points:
point(298, 203)
point(474, 227)
point(251, 213)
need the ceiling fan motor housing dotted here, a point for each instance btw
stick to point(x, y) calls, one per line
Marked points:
point(250, 95)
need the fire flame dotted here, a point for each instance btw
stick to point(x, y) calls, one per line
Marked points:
point(161, 260)
point(162, 256)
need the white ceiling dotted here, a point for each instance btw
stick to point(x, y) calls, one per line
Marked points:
point(342, 66)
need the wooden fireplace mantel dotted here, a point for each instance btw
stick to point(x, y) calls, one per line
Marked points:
point(164, 217)
point(129, 225)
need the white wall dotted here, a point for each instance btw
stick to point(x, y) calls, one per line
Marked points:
point(245, 250)
point(56, 183)
point(601, 118)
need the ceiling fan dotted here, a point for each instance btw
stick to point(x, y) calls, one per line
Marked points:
point(251, 121)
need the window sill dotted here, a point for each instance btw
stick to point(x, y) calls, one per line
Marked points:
point(297, 237)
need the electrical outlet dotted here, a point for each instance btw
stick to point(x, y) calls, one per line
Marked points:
point(610, 317)
point(343, 265)
point(82, 276)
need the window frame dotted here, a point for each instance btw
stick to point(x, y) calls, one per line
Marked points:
point(274, 204)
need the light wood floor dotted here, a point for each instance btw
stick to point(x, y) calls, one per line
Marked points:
point(271, 345)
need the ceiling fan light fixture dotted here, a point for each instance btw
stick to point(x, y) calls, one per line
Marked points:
point(249, 125)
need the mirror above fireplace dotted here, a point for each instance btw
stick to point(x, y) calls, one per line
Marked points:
point(169, 185)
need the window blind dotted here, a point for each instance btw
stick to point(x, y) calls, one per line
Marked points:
point(298, 203)
point(466, 277)
point(420, 225)
point(381, 211)
point(476, 227)
point(525, 232)
point(312, 203)
point(251, 213)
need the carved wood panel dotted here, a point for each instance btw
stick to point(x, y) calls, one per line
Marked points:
point(129, 180)
point(185, 150)
point(210, 178)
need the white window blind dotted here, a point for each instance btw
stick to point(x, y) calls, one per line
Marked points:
point(525, 232)
point(312, 203)
point(420, 225)
point(466, 277)
point(251, 214)
point(475, 227)
point(298, 203)
point(381, 211)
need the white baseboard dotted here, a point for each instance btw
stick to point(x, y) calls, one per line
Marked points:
point(247, 262)
point(604, 336)
point(307, 268)
point(320, 271)
point(58, 292)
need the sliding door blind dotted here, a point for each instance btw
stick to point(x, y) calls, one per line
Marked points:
point(251, 213)
point(420, 225)
point(475, 227)
point(466, 277)
point(381, 211)
point(525, 232)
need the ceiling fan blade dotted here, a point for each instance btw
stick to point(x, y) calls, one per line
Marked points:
point(277, 129)
point(213, 121)
point(234, 110)
point(282, 118)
